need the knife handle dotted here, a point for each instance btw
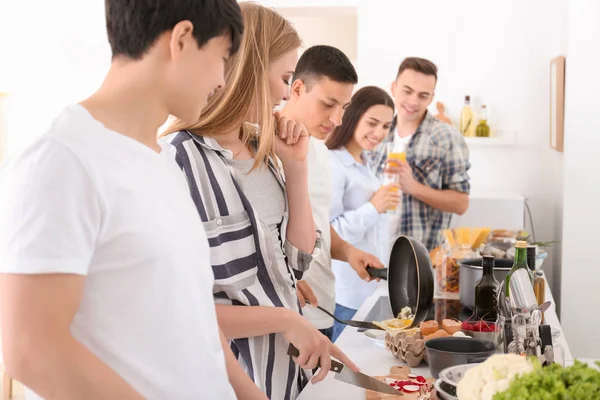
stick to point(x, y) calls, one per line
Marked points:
point(336, 366)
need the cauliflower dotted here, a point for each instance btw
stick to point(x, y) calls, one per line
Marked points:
point(492, 376)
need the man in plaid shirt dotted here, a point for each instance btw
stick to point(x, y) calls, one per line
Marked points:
point(434, 178)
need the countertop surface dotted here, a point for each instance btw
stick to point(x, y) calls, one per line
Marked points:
point(373, 359)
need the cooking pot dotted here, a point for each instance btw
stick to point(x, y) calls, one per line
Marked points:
point(471, 272)
point(410, 278)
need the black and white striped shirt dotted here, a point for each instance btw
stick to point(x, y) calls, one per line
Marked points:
point(241, 258)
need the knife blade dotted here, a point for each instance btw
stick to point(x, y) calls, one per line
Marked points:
point(344, 374)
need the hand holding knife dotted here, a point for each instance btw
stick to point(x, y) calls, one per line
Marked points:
point(345, 374)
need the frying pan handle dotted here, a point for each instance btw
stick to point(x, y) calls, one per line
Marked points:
point(380, 273)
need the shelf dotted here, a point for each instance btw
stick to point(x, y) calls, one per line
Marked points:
point(502, 138)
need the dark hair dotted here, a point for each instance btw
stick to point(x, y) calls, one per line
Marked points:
point(134, 25)
point(328, 61)
point(362, 100)
point(418, 64)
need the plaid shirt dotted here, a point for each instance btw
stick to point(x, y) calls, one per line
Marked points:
point(439, 158)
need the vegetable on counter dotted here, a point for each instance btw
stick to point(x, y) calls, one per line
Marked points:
point(578, 381)
point(492, 376)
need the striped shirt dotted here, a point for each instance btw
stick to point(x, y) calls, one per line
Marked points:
point(242, 258)
point(439, 158)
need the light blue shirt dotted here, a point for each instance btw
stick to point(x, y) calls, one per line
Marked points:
point(355, 220)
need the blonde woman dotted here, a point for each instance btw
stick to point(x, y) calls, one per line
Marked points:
point(260, 227)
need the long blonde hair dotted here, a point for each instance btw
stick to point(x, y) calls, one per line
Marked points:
point(267, 37)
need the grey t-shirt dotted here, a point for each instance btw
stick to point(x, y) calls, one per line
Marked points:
point(266, 197)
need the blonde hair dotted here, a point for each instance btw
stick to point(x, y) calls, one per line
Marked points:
point(267, 37)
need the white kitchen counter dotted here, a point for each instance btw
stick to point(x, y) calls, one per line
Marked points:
point(374, 359)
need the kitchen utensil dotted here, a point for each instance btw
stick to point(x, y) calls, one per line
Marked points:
point(345, 374)
point(356, 324)
point(470, 273)
point(450, 351)
point(521, 294)
point(409, 278)
point(444, 390)
point(544, 306)
point(453, 375)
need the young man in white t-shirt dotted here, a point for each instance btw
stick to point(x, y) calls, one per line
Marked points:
point(322, 88)
point(105, 277)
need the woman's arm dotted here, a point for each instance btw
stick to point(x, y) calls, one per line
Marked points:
point(350, 225)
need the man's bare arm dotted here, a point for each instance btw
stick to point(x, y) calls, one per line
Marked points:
point(38, 347)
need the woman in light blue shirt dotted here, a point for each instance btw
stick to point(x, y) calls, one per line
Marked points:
point(359, 203)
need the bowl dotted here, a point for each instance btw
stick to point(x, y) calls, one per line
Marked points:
point(445, 391)
point(450, 351)
point(453, 375)
point(493, 337)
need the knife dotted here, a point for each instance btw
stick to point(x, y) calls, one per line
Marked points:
point(345, 374)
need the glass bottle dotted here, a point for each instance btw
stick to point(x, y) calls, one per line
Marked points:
point(531, 256)
point(483, 130)
point(486, 290)
point(520, 262)
point(467, 123)
point(539, 288)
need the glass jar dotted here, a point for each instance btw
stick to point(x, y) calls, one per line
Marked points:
point(447, 281)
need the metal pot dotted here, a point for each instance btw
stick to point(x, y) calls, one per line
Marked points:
point(471, 272)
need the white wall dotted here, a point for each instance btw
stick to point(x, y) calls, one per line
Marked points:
point(581, 274)
point(52, 59)
point(498, 52)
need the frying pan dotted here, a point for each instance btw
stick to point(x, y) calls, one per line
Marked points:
point(410, 278)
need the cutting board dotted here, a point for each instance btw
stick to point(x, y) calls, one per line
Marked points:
point(396, 373)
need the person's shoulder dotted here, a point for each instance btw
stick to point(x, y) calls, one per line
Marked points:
point(56, 146)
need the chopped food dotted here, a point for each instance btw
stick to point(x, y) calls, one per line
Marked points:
point(578, 381)
point(412, 376)
point(406, 313)
point(494, 375)
point(479, 326)
point(451, 326)
point(429, 327)
point(394, 324)
point(408, 386)
point(404, 321)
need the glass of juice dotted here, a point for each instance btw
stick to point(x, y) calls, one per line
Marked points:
point(398, 153)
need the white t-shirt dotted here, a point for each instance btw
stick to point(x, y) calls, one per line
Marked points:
point(89, 201)
point(320, 276)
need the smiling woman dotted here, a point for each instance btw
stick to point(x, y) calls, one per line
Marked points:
point(358, 198)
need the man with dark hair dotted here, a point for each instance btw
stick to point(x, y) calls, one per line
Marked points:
point(321, 90)
point(434, 178)
point(105, 296)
